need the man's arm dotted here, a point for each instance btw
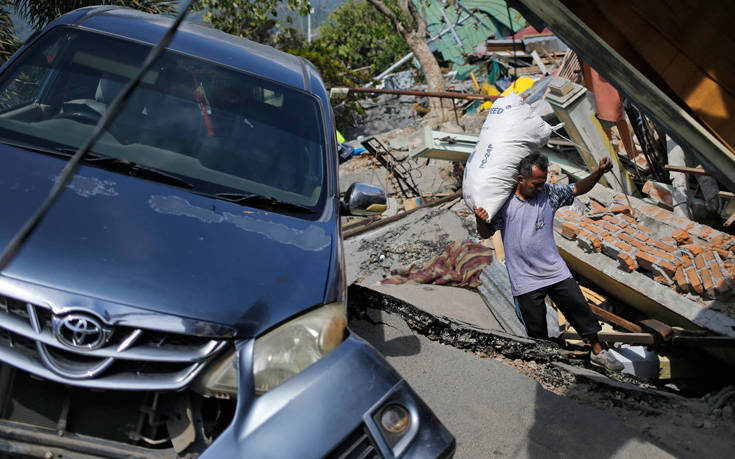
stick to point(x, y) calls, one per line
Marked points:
point(586, 184)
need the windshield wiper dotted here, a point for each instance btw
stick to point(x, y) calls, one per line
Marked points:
point(260, 201)
point(130, 168)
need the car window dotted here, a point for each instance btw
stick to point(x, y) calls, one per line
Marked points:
point(223, 128)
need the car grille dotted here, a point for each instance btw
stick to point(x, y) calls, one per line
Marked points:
point(359, 444)
point(128, 358)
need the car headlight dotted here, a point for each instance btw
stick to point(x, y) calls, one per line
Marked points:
point(279, 354)
point(289, 349)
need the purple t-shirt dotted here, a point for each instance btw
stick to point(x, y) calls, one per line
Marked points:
point(531, 256)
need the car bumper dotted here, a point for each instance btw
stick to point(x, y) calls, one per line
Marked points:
point(329, 409)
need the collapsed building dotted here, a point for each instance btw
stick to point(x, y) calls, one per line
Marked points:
point(653, 245)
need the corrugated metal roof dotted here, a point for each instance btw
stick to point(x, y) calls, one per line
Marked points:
point(492, 13)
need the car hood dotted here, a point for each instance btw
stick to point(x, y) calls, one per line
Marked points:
point(133, 242)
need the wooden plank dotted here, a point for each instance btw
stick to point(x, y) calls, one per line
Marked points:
point(726, 194)
point(498, 246)
point(686, 170)
point(730, 219)
point(659, 327)
point(616, 337)
point(612, 319)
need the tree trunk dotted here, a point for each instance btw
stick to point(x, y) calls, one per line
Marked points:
point(432, 72)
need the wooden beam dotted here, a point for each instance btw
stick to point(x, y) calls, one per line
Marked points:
point(730, 219)
point(617, 337)
point(659, 327)
point(726, 194)
point(686, 170)
point(609, 317)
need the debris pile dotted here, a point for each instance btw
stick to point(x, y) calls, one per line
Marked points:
point(691, 258)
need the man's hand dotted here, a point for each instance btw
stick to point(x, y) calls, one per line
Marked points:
point(481, 213)
point(586, 184)
point(605, 165)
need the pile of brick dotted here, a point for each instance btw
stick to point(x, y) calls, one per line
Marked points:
point(691, 258)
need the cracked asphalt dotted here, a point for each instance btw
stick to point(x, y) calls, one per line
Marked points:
point(493, 410)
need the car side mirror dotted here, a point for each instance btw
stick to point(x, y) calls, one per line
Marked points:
point(364, 200)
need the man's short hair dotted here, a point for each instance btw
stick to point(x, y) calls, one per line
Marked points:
point(534, 159)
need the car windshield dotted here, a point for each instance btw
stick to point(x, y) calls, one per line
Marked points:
point(224, 131)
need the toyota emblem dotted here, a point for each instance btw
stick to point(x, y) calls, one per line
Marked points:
point(80, 332)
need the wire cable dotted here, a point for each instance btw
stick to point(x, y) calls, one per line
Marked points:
point(72, 165)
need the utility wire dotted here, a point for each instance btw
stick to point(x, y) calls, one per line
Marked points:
point(72, 165)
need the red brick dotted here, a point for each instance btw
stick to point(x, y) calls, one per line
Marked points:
point(665, 247)
point(627, 262)
point(638, 245)
point(681, 237)
point(723, 253)
point(609, 227)
point(630, 230)
point(708, 256)
point(608, 237)
point(618, 209)
point(645, 260)
point(596, 243)
point(699, 261)
point(623, 246)
point(630, 220)
point(703, 231)
point(625, 237)
point(668, 267)
point(596, 207)
point(569, 231)
point(681, 280)
point(664, 255)
point(696, 249)
point(594, 229)
point(645, 229)
point(641, 236)
point(686, 260)
point(668, 240)
point(611, 219)
point(694, 281)
point(662, 214)
point(707, 284)
point(588, 220)
point(720, 241)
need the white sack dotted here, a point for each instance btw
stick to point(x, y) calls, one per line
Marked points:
point(510, 133)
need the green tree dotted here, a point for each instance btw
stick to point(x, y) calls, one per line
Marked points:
point(40, 12)
point(334, 73)
point(360, 37)
point(256, 20)
point(8, 41)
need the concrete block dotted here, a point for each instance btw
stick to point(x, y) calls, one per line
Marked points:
point(638, 361)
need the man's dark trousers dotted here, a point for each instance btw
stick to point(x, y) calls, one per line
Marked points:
point(568, 298)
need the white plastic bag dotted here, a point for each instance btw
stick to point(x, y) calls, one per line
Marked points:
point(510, 133)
